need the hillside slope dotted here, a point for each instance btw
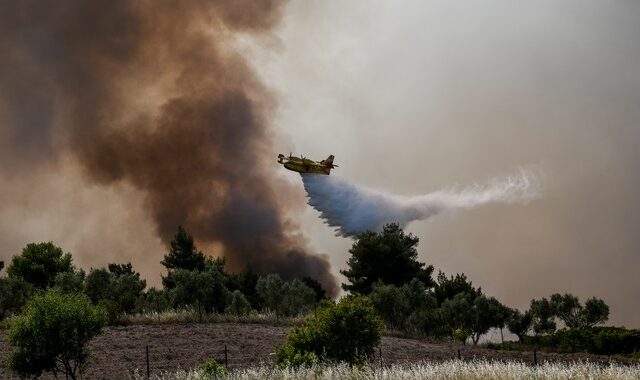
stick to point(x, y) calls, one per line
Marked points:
point(121, 350)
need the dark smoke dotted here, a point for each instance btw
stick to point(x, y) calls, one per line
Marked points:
point(151, 93)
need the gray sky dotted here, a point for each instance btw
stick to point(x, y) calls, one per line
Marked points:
point(413, 97)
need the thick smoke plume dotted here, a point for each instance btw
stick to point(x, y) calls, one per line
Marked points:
point(354, 209)
point(152, 94)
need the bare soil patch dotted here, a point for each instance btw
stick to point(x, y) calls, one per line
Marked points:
point(121, 350)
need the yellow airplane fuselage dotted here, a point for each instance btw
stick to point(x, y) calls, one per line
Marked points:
point(305, 165)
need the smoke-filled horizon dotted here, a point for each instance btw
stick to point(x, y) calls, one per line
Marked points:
point(353, 209)
point(415, 96)
point(121, 120)
point(153, 95)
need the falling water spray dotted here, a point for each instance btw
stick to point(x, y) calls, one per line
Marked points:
point(353, 209)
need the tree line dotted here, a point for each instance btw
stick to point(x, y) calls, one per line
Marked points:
point(193, 280)
point(386, 284)
point(383, 266)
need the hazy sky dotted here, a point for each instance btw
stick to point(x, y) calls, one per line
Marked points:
point(416, 96)
point(413, 97)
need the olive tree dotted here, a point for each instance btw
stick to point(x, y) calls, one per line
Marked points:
point(118, 288)
point(52, 334)
point(285, 298)
point(567, 307)
point(206, 290)
point(543, 316)
point(520, 323)
point(14, 293)
point(238, 304)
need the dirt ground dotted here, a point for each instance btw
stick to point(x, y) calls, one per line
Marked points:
point(121, 350)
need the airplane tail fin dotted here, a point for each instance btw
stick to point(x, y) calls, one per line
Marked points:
point(329, 160)
point(328, 164)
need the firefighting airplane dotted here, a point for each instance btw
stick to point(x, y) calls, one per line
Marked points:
point(305, 165)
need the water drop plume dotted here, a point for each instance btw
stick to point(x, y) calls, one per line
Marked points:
point(353, 209)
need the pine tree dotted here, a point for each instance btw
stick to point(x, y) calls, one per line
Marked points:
point(183, 253)
point(389, 256)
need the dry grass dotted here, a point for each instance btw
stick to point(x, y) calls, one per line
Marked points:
point(192, 316)
point(447, 370)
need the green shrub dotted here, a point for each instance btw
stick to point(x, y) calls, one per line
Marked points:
point(52, 334)
point(119, 286)
point(410, 308)
point(212, 369)
point(203, 290)
point(573, 340)
point(594, 340)
point(153, 300)
point(111, 310)
point(238, 304)
point(344, 332)
point(285, 298)
point(461, 335)
point(70, 282)
point(616, 340)
point(14, 293)
point(289, 356)
point(391, 304)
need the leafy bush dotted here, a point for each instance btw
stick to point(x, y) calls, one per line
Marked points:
point(391, 304)
point(290, 356)
point(285, 298)
point(269, 289)
point(212, 369)
point(594, 340)
point(427, 321)
point(205, 290)
point(14, 293)
point(119, 288)
point(70, 282)
point(52, 334)
point(239, 305)
point(344, 332)
point(298, 298)
point(410, 308)
point(153, 300)
point(246, 282)
point(616, 340)
point(573, 340)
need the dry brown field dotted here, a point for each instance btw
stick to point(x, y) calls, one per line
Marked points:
point(119, 351)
